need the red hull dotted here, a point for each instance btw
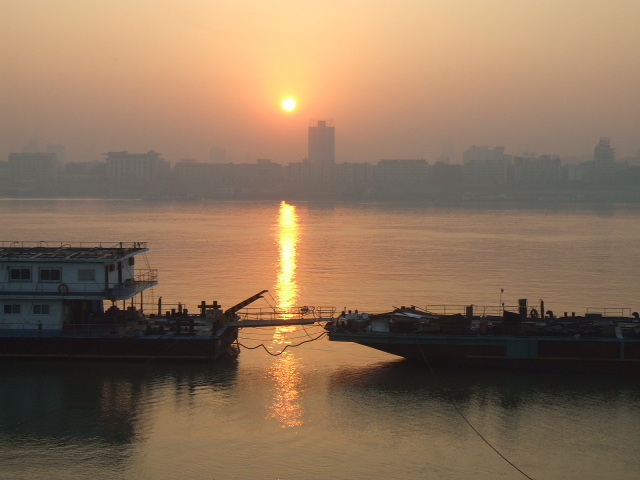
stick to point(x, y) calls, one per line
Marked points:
point(146, 347)
point(604, 355)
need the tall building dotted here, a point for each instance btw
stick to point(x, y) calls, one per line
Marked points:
point(604, 159)
point(322, 143)
point(603, 154)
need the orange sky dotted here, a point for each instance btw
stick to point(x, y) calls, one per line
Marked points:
point(399, 79)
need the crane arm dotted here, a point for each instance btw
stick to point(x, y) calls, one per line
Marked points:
point(231, 311)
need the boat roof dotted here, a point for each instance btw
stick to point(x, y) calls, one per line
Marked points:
point(56, 251)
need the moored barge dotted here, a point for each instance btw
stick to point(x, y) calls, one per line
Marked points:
point(514, 340)
point(53, 299)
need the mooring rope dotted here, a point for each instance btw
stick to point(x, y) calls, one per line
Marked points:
point(457, 409)
point(285, 348)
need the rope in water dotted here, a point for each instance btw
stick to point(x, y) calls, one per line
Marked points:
point(457, 409)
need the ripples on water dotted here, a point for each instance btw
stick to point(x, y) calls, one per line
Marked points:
point(326, 410)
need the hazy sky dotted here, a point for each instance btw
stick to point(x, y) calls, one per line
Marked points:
point(399, 79)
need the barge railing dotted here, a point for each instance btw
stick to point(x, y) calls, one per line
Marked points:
point(287, 313)
point(178, 326)
point(62, 244)
point(478, 310)
point(609, 311)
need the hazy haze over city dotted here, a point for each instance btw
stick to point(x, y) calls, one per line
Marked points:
point(409, 79)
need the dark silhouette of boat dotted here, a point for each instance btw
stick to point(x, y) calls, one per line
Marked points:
point(53, 300)
point(520, 340)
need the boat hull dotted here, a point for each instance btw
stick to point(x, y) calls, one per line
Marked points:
point(149, 347)
point(560, 354)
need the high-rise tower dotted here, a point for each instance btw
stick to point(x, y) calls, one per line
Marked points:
point(322, 143)
point(603, 154)
point(604, 158)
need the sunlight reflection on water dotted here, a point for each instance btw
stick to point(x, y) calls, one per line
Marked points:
point(288, 237)
point(285, 371)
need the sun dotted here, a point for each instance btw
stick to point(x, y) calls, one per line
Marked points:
point(288, 104)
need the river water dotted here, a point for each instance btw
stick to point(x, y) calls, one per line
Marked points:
point(326, 410)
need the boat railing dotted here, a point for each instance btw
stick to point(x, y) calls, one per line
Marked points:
point(61, 244)
point(288, 313)
point(610, 311)
point(144, 279)
point(188, 326)
point(478, 310)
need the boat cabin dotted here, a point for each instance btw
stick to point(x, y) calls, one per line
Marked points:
point(45, 285)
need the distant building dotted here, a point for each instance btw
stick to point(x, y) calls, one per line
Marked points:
point(604, 158)
point(542, 171)
point(352, 175)
point(322, 143)
point(485, 167)
point(31, 173)
point(445, 176)
point(4, 171)
point(402, 173)
point(32, 166)
point(302, 176)
point(136, 167)
point(575, 173)
point(201, 179)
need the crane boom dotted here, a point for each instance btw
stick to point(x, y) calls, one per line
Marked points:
point(231, 311)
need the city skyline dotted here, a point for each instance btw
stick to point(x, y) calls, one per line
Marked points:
point(321, 149)
point(409, 80)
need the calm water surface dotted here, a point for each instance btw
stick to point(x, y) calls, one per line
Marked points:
point(326, 410)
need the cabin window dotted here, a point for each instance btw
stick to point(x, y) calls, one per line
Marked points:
point(41, 309)
point(86, 275)
point(20, 274)
point(50, 274)
point(12, 309)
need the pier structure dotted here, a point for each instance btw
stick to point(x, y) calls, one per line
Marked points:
point(278, 317)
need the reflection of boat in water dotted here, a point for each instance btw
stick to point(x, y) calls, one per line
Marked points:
point(102, 401)
point(53, 306)
point(595, 342)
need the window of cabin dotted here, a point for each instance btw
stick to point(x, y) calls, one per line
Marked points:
point(50, 274)
point(11, 309)
point(20, 274)
point(86, 275)
point(41, 309)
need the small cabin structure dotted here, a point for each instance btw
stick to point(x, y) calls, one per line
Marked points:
point(49, 286)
